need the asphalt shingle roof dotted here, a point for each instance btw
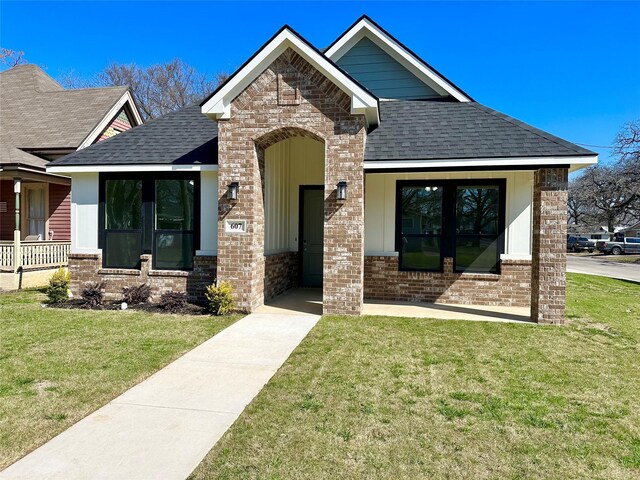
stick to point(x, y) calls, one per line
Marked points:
point(414, 130)
point(37, 113)
point(409, 130)
point(183, 137)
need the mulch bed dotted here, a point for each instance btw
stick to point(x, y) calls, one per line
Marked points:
point(188, 309)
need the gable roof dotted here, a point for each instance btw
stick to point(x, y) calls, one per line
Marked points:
point(183, 137)
point(38, 114)
point(218, 104)
point(366, 27)
point(433, 130)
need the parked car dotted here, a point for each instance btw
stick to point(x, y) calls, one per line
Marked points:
point(625, 245)
point(580, 244)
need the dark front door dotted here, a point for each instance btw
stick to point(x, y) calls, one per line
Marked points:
point(311, 234)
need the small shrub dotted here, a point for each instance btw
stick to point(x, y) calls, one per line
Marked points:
point(58, 288)
point(137, 294)
point(93, 295)
point(173, 302)
point(219, 298)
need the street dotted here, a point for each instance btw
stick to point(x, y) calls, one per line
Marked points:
point(600, 266)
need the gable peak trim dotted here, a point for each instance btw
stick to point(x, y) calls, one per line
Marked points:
point(218, 104)
point(366, 27)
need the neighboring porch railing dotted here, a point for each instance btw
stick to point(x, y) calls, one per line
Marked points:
point(34, 254)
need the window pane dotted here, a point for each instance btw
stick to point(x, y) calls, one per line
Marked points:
point(422, 210)
point(123, 204)
point(477, 210)
point(421, 253)
point(174, 204)
point(123, 249)
point(476, 254)
point(174, 250)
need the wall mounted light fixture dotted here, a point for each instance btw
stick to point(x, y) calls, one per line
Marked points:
point(341, 190)
point(232, 192)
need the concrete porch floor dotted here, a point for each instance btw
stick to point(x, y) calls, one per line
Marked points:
point(309, 301)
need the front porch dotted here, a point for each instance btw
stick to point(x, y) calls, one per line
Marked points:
point(30, 264)
point(309, 301)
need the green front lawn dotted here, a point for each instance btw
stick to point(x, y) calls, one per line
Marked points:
point(395, 398)
point(57, 366)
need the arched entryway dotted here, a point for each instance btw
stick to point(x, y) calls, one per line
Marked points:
point(294, 197)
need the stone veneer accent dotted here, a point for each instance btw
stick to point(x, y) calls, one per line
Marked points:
point(549, 245)
point(511, 288)
point(280, 273)
point(259, 119)
point(86, 268)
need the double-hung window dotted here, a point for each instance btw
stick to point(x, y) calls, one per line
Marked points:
point(153, 214)
point(460, 219)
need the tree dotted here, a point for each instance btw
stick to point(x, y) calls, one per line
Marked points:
point(610, 194)
point(10, 58)
point(157, 89)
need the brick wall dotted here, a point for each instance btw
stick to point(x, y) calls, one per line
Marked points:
point(280, 273)
point(383, 281)
point(86, 268)
point(261, 117)
point(549, 245)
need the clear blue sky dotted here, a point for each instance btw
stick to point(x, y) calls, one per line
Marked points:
point(570, 68)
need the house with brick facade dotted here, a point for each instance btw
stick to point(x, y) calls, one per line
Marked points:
point(358, 169)
point(40, 122)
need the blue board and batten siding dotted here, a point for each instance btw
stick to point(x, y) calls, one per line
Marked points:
point(381, 74)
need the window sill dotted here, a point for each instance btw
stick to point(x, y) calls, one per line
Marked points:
point(169, 273)
point(119, 271)
point(478, 276)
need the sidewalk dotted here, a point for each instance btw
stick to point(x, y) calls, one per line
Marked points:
point(164, 426)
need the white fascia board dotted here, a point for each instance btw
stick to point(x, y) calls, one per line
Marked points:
point(579, 162)
point(364, 28)
point(130, 168)
point(362, 102)
point(126, 98)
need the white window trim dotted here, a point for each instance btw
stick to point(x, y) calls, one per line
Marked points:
point(24, 210)
point(365, 28)
point(219, 105)
point(108, 118)
point(130, 168)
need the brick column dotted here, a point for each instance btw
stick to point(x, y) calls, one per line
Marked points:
point(343, 270)
point(549, 258)
point(241, 255)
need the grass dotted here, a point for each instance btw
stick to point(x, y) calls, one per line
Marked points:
point(57, 365)
point(395, 398)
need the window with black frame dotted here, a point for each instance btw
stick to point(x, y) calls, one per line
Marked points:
point(174, 224)
point(123, 223)
point(457, 219)
point(149, 214)
point(421, 227)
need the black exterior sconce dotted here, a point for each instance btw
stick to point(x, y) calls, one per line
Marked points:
point(232, 192)
point(341, 190)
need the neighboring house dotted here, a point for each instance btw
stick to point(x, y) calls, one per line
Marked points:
point(632, 231)
point(360, 169)
point(40, 122)
point(592, 233)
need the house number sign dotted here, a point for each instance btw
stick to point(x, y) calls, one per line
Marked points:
point(235, 226)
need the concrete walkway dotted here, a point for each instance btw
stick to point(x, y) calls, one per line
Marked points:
point(163, 427)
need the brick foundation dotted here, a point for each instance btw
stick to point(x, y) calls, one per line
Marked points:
point(511, 288)
point(88, 268)
point(280, 274)
point(549, 245)
point(260, 117)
